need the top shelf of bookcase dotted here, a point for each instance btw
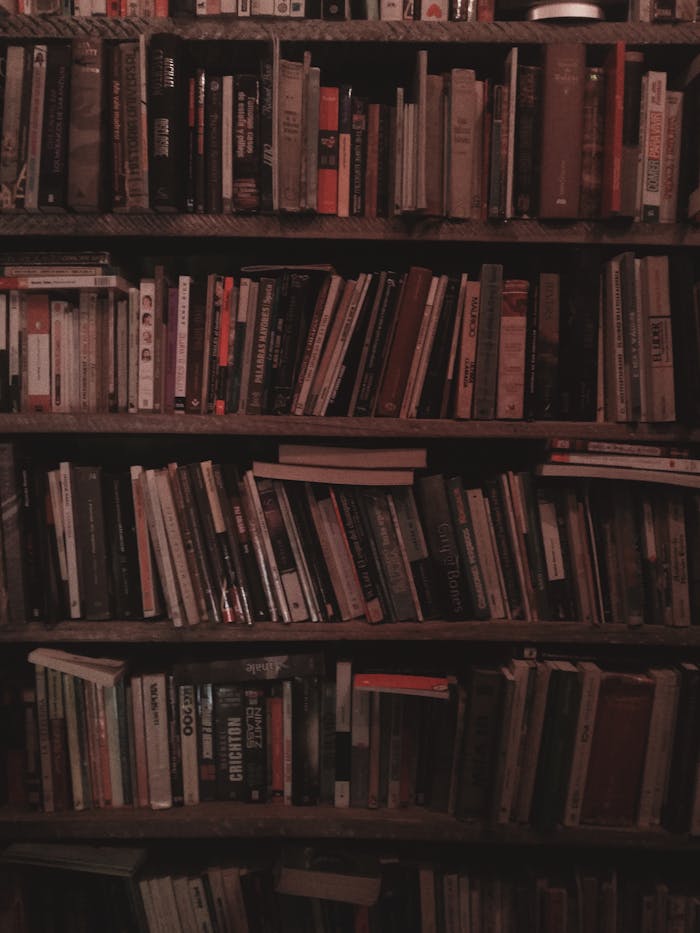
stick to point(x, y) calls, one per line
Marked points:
point(318, 227)
point(307, 30)
point(408, 429)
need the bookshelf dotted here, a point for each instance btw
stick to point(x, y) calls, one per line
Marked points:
point(491, 642)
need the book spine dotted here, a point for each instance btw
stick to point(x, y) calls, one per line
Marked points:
point(527, 140)
point(486, 374)
point(155, 708)
point(53, 171)
point(86, 134)
point(562, 130)
point(166, 122)
point(652, 145)
point(328, 151)
point(510, 388)
point(246, 154)
point(593, 142)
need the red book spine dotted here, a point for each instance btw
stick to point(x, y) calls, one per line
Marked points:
point(222, 360)
point(398, 364)
point(328, 151)
point(612, 151)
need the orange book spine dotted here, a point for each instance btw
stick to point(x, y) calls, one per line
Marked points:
point(328, 151)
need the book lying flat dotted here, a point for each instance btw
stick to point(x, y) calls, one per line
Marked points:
point(99, 860)
point(372, 457)
point(411, 684)
point(667, 464)
point(332, 475)
point(105, 672)
point(592, 471)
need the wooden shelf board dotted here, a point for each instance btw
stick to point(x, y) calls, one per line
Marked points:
point(260, 821)
point(361, 428)
point(308, 30)
point(314, 227)
point(495, 632)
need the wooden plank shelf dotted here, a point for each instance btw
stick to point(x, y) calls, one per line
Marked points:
point(365, 429)
point(259, 821)
point(309, 30)
point(494, 632)
point(317, 227)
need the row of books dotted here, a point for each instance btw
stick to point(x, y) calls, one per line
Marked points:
point(595, 341)
point(180, 136)
point(586, 537)
point(658, 11)
point(327, 890)
point(545, 743)
point(392, 10)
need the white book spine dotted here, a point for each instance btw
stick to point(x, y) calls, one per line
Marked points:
point(670, 163)
point(36, 121)
point(70, 540)
point(148, 592)
point(159, 540)
point(590, 688)
point(155, 711)
point(485, 556)
point(133, 371)
point(184, 284)
point(146, 351)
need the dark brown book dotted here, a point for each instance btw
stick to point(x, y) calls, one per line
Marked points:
point(117, 175)
point(527, 140)
point(196, 348)
point(617, 753)
point(86, 132)
point(398, 363)
point(593, 141)
point(682, 780)
point(90, 534)
point(53, 172)
point(563, 81)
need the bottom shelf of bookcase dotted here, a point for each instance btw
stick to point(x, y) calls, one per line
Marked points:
point(493, 632)
point(252, 821)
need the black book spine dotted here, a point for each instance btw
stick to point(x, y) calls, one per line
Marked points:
point(578, 350)
point(342, 394)
point(256, 594)
point(228, 735)
point(378, 346)
point(440, 537)
point(358, 156)
point(266, 123)
point(316, 563)
point(527, 138)
point(431, 396)
point(306, 741)
point(199, 167)
point(120, 527)
point(184, 484)
point(90, 532)
point(218, 569)
point(206, 738)
point(212, 144)
point(53, 171)
point(255, 743)
point(117, 173)
point(166, 121)
point(384, 156)
point(246, 138)
point(174, 745)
